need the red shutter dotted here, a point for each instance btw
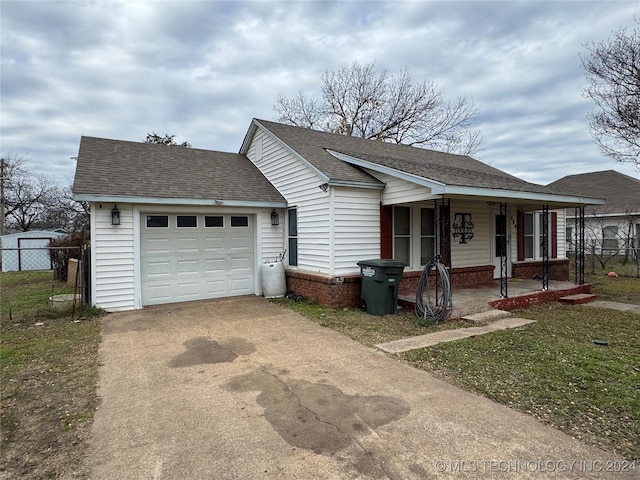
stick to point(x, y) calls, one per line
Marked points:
point(386, 231)
point(554, 234)
point(520, 235)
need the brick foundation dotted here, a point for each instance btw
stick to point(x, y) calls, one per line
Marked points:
point(558, 269)
point(342, 292)
point(459, 277)
point(328, 291)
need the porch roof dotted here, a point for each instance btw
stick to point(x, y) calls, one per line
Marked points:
point(450, 181)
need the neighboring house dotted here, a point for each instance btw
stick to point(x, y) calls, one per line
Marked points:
point(611, 227)
point(27, 250)
point(197, 224)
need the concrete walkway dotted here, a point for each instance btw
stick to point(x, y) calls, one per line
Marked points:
point(245, 389)
point(430, 339)
point(622, 307)
point(495, 320)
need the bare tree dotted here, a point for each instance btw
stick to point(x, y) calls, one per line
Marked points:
point(358, 100)
point(35, 201)
point(168, 140)
point(613, 72)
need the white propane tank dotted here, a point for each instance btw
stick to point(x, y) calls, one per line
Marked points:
point(272, 277)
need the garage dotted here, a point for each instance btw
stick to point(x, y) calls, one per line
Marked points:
point(196, 256)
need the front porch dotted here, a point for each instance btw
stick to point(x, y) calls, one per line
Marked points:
point(471, 299)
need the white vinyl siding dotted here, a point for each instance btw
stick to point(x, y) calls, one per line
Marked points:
point(356, 228)
point(113, 265)
point(270, 237)
point(397, 191)
point(299, 185)
point(476, 251)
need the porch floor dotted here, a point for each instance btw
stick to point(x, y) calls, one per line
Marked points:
point(470, 299)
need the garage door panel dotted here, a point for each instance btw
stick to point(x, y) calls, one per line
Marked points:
point(179, 265)
point(187, 245)
point(214, 244)
point(215, 288)
point(157, 246)
point(156, 269)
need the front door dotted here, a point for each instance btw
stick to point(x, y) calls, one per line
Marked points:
point(499, 240)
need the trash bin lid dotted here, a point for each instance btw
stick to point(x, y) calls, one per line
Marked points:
point(381, 262)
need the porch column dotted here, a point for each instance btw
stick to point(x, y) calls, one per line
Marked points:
point(443, 230)
point(579, 263)
point(502, 246)
point(545, 248)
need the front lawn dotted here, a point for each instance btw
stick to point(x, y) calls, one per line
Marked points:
point(553, 370)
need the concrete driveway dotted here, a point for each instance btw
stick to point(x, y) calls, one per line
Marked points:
point(244, 389)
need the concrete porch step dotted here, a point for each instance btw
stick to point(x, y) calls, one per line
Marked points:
point(578, 298)
point(487, 316)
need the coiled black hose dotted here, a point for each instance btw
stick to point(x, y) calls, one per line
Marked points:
point(439, 305)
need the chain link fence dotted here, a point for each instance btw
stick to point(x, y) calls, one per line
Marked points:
point(625, 262)
point(40, 281)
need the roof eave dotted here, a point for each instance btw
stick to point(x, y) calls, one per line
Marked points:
point(438, 188)
point(217, 202)
point(520, 195)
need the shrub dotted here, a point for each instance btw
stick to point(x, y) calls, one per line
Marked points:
point(61, 250)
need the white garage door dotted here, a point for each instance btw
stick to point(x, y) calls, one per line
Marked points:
point(191, 257)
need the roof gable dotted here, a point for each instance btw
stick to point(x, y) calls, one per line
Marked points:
point(621, 192)
point(438, 167)
point(140, 170)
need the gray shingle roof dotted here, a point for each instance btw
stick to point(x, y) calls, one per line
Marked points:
point(445, 168)
point(131, 169)
point(621, 192)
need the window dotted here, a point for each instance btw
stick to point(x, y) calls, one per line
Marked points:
point(529, 235)
point(610, 237)
point(186, 221)
point(569, 238)
point(427, 235)
point(210, 221)
point(157, 221)
point(293, 236)
point(239, 221)
point(402, 234)
point(533, 233)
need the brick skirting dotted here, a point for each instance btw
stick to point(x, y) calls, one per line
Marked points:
point(459, 276)
point(328, 291)
point(558, 269)
point(342, 292)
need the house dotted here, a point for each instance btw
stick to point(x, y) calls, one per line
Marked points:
point(27, 250)
point(174, 224)
point(611, 227)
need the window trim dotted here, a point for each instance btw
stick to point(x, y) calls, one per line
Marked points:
point(292, 236)
point(184, 217)
point(148, 216)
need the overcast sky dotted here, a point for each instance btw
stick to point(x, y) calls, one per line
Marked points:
point(203, 69)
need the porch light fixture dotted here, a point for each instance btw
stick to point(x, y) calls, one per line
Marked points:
point(275, 218)
point(115, 215)
point(462, 227)
point(324, 187)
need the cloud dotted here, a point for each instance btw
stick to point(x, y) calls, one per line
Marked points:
point(202, 69)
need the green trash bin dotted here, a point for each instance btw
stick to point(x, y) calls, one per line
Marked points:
point(380, 282)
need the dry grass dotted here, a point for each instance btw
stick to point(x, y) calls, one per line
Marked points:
point(49, 374)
